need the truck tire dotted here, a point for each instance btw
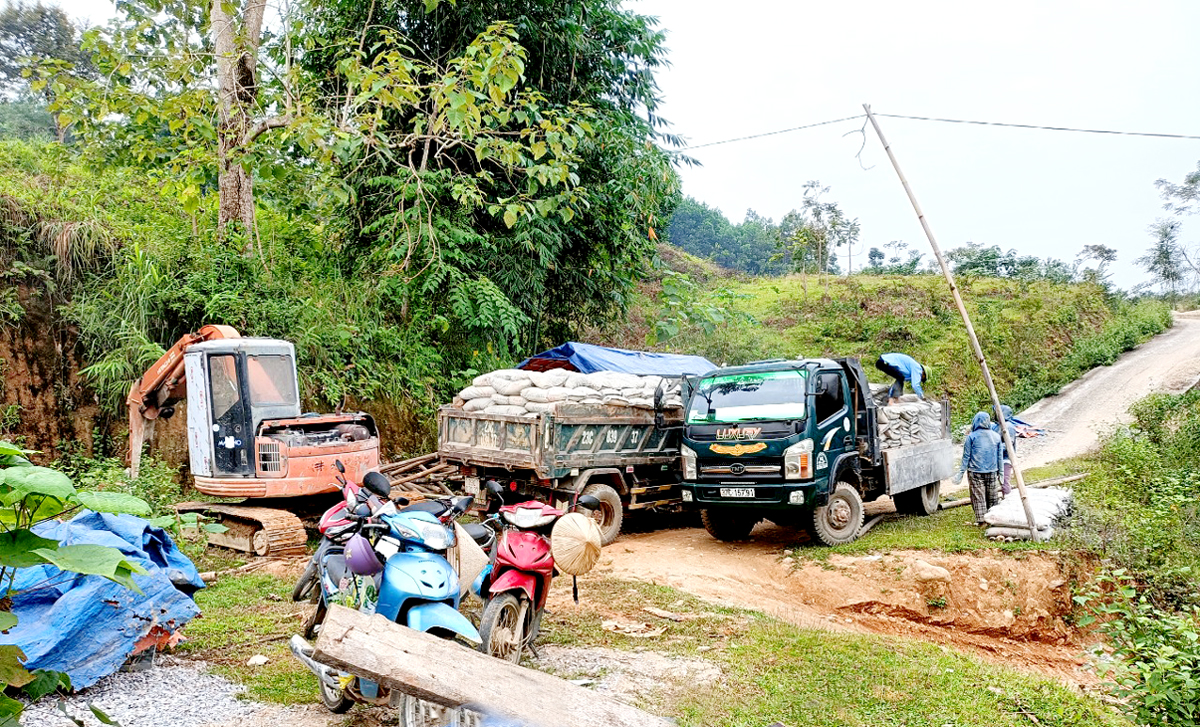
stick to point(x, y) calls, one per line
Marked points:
point(921, 501)
point(728, 525)
point(838, 521)
point(610, 513)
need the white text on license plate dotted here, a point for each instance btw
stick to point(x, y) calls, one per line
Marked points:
point(471, 485)
point(747, 492)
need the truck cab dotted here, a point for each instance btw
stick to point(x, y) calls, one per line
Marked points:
point(795, 442)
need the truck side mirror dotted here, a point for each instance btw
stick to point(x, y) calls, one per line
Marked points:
point(659, 395)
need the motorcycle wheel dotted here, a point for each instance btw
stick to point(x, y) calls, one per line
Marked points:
point(505, 627)
point(335, 700)
point(312, 626)
point(307, 583)
point(416, 712)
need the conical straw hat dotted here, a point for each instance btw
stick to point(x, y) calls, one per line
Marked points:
point(575, 543)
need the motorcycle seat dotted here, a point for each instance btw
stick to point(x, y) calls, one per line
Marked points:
point(481, 534)
point(430, 506)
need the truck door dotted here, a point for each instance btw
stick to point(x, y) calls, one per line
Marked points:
point(832, 414)
point(232, 438)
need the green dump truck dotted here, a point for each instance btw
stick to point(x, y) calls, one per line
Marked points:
point(798, 442)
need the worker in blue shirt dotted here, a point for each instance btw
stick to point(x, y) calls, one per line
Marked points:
point(983, 453)
point(902, 367)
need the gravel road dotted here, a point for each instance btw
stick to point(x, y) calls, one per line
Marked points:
point(1100, 400)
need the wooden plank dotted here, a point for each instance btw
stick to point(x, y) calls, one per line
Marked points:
point(449, 673)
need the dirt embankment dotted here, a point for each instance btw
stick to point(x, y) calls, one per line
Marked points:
point(1005, 608)
point(43, 402)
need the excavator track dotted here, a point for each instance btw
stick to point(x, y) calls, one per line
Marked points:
point(259, 530)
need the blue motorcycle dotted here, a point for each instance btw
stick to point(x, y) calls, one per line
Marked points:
point(395, 566)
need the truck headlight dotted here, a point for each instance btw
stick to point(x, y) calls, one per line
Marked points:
point(797, 461)
point(689, 462)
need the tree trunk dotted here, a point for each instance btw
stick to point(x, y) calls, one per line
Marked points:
point(237, 64)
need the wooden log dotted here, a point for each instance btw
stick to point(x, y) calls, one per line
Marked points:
point(1059, 480)
point(449, 673)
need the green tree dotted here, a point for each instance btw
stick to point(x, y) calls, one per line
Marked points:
point(809, 238)
point(525, 258)
point(38, 33)
point(1164, 259)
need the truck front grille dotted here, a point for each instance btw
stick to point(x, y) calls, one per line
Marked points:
point(750, 469)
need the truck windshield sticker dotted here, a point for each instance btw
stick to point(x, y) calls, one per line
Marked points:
point(747, 397)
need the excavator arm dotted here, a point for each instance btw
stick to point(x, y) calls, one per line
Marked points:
point(154, 394)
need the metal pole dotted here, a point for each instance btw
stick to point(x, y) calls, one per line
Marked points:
point(987, 374)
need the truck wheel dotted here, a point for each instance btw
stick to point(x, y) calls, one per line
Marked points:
point(838, 521)
point(610, 513)
point(729, 525)
point(921, 501)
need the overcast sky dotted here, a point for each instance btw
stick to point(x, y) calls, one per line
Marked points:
point(762, 65)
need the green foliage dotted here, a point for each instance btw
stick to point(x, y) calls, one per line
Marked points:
point(31, 495)
point(704, 232)
point(1140, 507)
point(156, 486)
point(1154, 667)
point(975, 259)
point(683, 307)
point(26, 120)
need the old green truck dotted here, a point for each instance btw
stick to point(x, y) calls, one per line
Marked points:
point(798, 442)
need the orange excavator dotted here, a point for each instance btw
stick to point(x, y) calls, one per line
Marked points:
point(246, 434)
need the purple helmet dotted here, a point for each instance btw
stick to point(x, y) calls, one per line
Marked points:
point(360, 556)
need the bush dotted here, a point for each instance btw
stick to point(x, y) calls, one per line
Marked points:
point(157, 483)
point(1154, 667)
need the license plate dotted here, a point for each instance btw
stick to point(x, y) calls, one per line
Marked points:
point(743, 492)
point(471, 485)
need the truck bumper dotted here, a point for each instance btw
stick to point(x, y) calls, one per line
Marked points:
point(773, 496)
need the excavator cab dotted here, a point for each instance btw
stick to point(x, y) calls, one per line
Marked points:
point(246, 381)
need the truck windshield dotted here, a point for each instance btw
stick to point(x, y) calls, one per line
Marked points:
point(747, 397)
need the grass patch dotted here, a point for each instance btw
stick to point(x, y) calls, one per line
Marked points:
point(776, 671)
point(248, 615)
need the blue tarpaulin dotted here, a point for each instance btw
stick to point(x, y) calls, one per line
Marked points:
point(87, 626)
point(588, 359)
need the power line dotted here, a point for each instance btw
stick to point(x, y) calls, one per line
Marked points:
point(772, 133)
point(950, 121)
point(1042, 128)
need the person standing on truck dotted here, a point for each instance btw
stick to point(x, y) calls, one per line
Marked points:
point(902, 368)
point(1006, 410)
point(981, 460)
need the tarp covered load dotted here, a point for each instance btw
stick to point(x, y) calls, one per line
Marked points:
point(87, 626)
point(587, 358)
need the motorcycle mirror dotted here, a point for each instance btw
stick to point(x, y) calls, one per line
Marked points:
point(588, 502)
point(462, 504)
point(362, 511)
point(378, 483)
point(496, 489)
point(340, 467)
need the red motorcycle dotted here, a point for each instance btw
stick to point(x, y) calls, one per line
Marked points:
point(517, 580)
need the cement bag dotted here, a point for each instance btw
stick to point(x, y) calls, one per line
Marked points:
point(510, 387)
point(553, 378)
point(575, 543)
point(466, 557)
point(536, 407)
point(533, 393)
point(558, 393)
point(575, 379)
point(478, 404)
point(482, 380)
point(584, 392)
point(537, 378)
point(510, 411)
point(477, 392)
point(1047, 506)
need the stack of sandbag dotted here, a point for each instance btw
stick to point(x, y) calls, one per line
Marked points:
point(1007, 518)
point(910, 422)
point(514, 392)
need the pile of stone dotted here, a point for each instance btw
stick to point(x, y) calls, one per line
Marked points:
point(514, 392)
point(909, 421)
point(1008, 521)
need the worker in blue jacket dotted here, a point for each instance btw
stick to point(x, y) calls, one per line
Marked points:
point(1006, 480)
point(902, 368)
point(983, 454)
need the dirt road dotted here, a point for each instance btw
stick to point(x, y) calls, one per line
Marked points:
point(1100, 400)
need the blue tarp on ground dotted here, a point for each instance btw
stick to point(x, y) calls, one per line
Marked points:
point(588, 359)
point(87, 626)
